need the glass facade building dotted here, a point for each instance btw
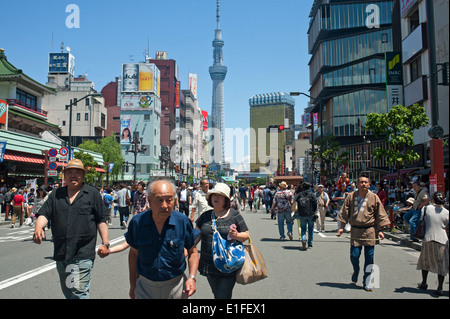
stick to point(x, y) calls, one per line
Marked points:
point(347, 41)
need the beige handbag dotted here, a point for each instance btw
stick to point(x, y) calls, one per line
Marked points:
point(254, 267)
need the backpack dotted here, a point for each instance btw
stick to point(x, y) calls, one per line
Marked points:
point(306, 204)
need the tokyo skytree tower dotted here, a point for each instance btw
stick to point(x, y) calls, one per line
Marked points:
point(218, 73)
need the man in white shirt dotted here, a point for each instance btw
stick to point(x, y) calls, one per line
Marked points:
point(184, 198)
point(124, 210)
point(200, 204)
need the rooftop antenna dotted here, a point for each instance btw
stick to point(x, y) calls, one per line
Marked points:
point(62, 47)
point(218, 14)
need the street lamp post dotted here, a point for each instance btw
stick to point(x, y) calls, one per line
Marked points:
point(311, 116)
point(74, 102)
point(136, 149)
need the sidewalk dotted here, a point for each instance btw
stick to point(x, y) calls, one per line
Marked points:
point(403, 239)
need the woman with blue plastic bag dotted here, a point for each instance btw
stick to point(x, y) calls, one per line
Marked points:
point(231, 226)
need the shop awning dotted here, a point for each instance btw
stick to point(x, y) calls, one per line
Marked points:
point(15, 156)
point(23, 157)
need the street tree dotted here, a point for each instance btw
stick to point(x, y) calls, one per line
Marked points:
point(111, 151)
point(328, 152)
point(397, 127)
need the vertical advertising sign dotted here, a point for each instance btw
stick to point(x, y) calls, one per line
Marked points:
point(125, 130)
point(205, 120)
point(178, 94)
point(193, 83)
point(2, 150)
point(3, 112)
point(145, 78)
point(433, 184)
point(394, 79)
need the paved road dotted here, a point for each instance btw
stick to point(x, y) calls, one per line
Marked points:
point(27, 270)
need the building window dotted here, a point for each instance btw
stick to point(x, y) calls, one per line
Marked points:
point(63, 123)
point(414, 21)
point(86, 116)
point(78, 117)
point(27, 99)
point(416, 69)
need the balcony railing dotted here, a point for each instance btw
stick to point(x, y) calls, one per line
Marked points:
point(27, 107)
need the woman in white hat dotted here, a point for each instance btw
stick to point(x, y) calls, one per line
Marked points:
point(231, 225)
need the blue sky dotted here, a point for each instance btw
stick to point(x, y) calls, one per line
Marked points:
point(265, 44)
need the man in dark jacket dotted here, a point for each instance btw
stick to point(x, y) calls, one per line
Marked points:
point(307, 207)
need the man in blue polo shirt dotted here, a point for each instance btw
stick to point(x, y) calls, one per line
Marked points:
point(158, 238)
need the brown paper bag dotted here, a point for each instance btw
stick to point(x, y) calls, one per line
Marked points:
point(254, 267)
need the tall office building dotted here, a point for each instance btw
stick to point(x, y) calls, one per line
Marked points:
point(348, 41)
point(271, 109)
point(218, 73)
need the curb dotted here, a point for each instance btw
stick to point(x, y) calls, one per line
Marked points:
point(402, 239)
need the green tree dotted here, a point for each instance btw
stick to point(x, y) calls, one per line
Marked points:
point(328, 152)
point(397, 126)
point(111, 152)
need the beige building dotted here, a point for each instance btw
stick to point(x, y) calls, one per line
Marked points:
point(268, 151)
point(88, 116)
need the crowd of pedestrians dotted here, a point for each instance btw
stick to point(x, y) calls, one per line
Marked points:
point(177, 219)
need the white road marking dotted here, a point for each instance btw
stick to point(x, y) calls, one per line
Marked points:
point(37, 271)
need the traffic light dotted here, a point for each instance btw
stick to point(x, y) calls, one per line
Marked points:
point(279, 128)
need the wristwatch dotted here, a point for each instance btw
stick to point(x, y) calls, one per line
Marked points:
point(193, 277)
point(107, 245)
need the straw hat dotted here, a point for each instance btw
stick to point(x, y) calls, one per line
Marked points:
point(410, 200)
point(283, 184)
point(221, 189)
point(75, 163)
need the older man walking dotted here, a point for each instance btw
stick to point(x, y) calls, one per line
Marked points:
point(364, 211)
point(158, 238)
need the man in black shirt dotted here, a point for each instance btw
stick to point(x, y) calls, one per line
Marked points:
point(77, 212)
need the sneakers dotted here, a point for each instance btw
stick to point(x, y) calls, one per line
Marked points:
point(290, 236)
point(368, 288)
point(124, 225)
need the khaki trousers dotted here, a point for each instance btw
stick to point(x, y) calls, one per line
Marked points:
point(17, 211)
point(169, 289)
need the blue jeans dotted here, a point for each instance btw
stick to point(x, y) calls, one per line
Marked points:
point(355, 253)
point(284, 216)
point(412, 218)
point(267, 203)
point(307, 221)
point(75, 277)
